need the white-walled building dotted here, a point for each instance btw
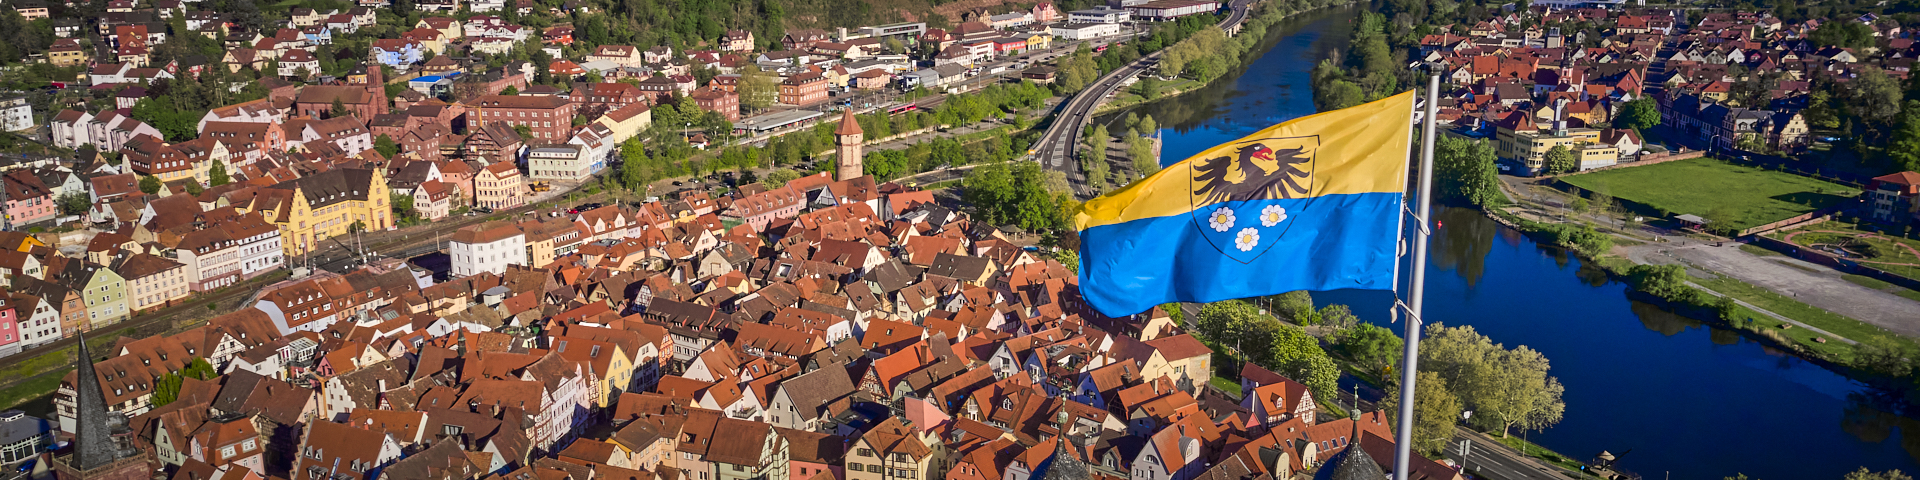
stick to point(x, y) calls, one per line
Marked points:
point(1100, 14)
point(567, 163)
point(1084, 31)
point(487, 248)
point(16, 114)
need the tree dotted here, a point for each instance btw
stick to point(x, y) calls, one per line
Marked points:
point(150, 184)
point(1505, 388)
point(1864, 474)
point(779, 177)
point(757, 88)
point(1228, 322)
point(1638, 114)
point(1905, 145)
point(217, 174)
point(166, 389)
point(75, 203)
point(1337, 316)
point(1140, 151)
point(510, 90)
point(1067, 257)
point(1372, 347)
point(1873, 97)
point(1465, 171)
point(1843, 34)
point(1015, 193)
point(339, 109)
point(1295, 306)
point(1148, 126)
point(194, 188)
point(384, 144)
point(1434, 409)
point(1560, 160)
point(1147, 88)
point(402, 204)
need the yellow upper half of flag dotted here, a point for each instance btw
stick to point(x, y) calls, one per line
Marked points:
point(1362, 149)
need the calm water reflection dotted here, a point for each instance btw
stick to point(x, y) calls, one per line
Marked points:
point(1685, 398)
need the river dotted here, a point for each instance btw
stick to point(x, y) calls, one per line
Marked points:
point(1671, 396)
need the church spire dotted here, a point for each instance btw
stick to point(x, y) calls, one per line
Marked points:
point(94, 445)
point(1065, 463)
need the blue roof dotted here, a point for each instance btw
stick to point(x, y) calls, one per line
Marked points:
point(427, 79)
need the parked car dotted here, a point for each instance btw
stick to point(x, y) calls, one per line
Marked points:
point(27, 466)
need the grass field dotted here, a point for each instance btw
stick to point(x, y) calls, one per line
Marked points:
point(1745, 196)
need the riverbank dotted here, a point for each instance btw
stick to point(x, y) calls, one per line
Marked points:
point(1845, 346)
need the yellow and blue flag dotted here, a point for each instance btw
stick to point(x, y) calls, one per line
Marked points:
point(1310, 204)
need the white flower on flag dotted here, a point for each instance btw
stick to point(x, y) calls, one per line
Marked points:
point(1272, 215)
point(1246, 239)
point(1221, 220)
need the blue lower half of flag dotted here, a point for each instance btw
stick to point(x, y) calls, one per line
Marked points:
point(1242, 249)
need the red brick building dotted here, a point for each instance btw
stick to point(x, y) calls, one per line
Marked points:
point(804, 89)
point(549, 119)
point(711, 99)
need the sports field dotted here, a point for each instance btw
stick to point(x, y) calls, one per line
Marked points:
point(1745, 196)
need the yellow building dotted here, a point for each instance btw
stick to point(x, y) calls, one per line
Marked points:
point(310, 209)
point(627, 121)
point(152, 281)
point(1520, 141)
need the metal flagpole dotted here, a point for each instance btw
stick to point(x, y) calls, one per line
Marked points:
point(1403, 441)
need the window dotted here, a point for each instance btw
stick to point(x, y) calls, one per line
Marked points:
point(226, 452)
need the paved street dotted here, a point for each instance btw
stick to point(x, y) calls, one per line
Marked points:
point(1494, 460)
point(1055, 148)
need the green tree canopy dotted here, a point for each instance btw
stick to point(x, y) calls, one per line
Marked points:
point(1506, 388)
point(75, 203)
point(150, 184)
point(217, 174)
point(385, 145)
point(1465, 170)
point(779, 177)
point(1015, 193)
point(1638, 114)
point(1560, 160)
point(166, 389)
point(1295, 306)
point(1371, 347)
point(1434, 409)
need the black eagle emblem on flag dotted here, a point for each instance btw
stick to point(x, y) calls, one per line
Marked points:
point(1242, 200)
point(1289, 167)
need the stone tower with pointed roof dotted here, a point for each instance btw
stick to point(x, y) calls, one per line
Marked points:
point(102, 444)
point(848, 139)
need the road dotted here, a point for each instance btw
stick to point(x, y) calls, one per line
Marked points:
point(1054, 150)
point(871, 100)
point(1493, 460)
